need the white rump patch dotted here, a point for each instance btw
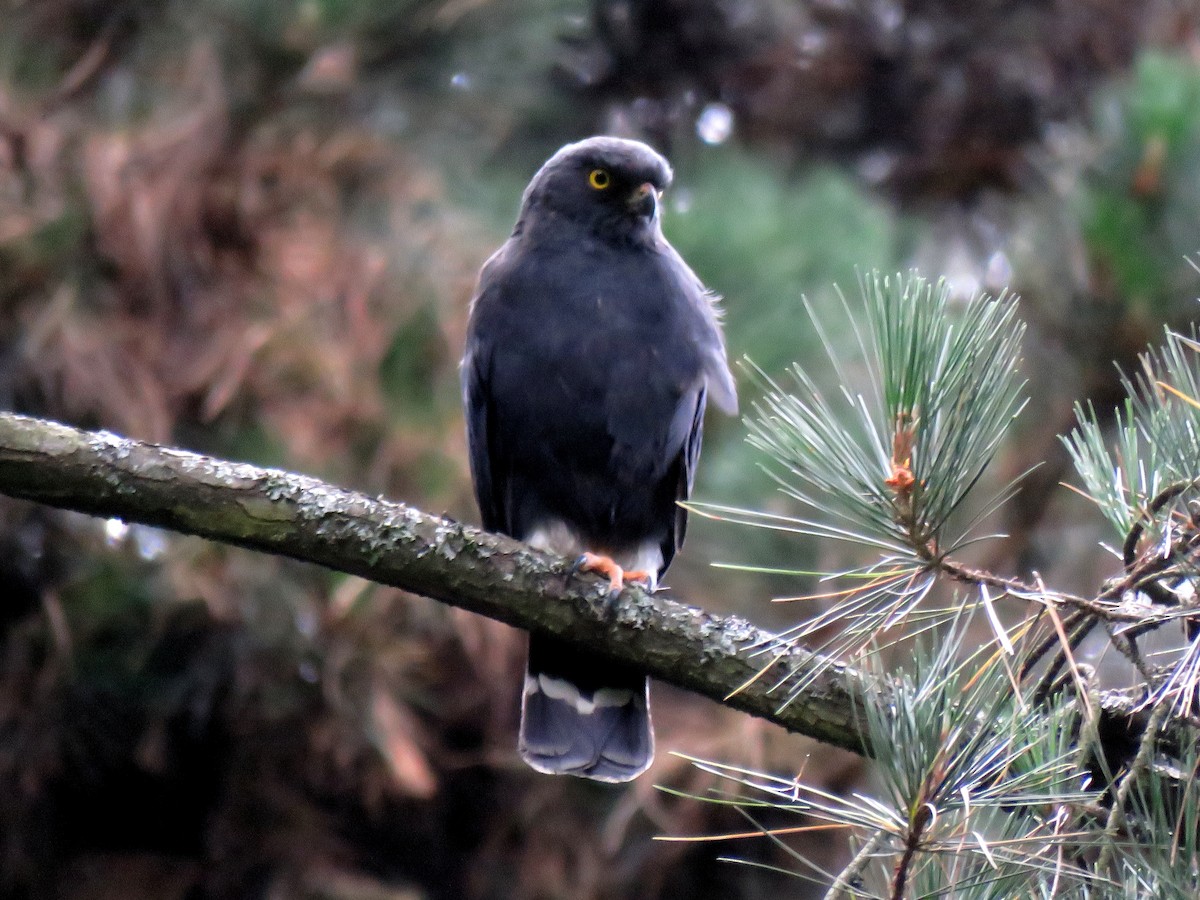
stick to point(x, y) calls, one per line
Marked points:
point(558, 689)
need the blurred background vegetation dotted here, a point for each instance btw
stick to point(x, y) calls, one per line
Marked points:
point(251, 228)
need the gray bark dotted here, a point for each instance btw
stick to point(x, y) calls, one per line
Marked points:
point(272, 511)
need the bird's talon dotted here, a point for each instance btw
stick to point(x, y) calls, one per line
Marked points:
point(609, 607)
point(594, 562)
point(640, 575)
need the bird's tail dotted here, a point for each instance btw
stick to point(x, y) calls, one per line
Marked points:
point(584, 715)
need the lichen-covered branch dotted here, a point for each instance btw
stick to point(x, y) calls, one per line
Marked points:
point(391, 543)
point(278, 512)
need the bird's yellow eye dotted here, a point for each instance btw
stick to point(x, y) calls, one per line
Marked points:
point(599, 179)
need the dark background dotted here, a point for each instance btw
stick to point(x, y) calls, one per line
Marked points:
point(251, 228)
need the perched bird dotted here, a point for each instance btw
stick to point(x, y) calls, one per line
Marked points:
point(591, 350)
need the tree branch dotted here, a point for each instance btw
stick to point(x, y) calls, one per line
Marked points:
point(721, 657)
point(306, 519)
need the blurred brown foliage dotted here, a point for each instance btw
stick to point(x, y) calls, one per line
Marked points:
point(235, 226)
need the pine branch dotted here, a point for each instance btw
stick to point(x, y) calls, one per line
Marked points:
point(272, 511)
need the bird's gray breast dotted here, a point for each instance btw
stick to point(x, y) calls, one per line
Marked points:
point(589, 362)
point(614, 347)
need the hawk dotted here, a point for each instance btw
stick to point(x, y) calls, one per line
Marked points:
point(592, 350)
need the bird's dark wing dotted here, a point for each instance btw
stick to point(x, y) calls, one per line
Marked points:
point(489, 462)
point(688, 460)
point(707, 334)
point(480, 415)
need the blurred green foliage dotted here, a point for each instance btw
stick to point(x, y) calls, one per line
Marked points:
point(1141, 196)
point(761, 239)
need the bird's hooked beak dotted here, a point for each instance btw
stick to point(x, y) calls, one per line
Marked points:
point(644, 200)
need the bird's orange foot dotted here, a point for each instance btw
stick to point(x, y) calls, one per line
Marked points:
point(617, 577)
point(605, 565)
point(645, 576)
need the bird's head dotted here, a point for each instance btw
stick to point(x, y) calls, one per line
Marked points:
point(610, 184)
